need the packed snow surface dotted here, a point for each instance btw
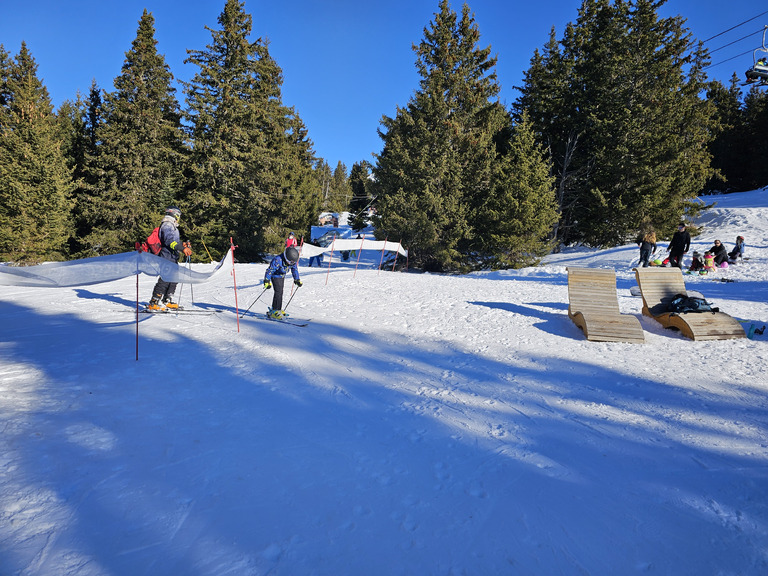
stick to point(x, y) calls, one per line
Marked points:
point(421, 424)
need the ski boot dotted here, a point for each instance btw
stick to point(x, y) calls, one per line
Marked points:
point(155, 306)
point(171, 305)
point(275, 314)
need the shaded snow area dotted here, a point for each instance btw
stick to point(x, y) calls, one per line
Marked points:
point(421, 424)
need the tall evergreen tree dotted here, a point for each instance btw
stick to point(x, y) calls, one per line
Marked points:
point(137, 171)
point(5, 71)
point(727, 147)
point(250, 176)
point(547, 98)
point(436, 165)
point(519, 213)
point(756, 132)
point(637, 130)
point(84, 120)
point(339, 193)
point(324, 177)
point(35, 181)
point(359, 183)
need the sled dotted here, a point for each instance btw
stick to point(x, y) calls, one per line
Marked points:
point(657, 284)
point(593, 305)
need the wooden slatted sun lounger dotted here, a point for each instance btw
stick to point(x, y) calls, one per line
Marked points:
point(593, 305)
point(657, 284)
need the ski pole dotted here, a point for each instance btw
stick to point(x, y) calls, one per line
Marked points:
point(291, 298)
point(254, 302)
point(191, 286)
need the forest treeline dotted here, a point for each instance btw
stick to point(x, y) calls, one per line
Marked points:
point(616, 129)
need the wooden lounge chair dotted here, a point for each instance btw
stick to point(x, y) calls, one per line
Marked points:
point(658, 284)
point(593, 305)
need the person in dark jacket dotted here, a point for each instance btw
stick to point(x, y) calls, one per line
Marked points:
point(172, 248)
point(275, 274)
point(679, 245)
point(719, 252)
point(647, 247)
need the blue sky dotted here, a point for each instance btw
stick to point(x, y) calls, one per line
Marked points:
point(345, 62)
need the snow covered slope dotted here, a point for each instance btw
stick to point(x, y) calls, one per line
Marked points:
point(421, 424)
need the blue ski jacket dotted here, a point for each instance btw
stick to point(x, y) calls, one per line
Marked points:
point(278, 268)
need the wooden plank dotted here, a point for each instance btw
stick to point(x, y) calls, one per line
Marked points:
point(658, 283)
point(593, 306)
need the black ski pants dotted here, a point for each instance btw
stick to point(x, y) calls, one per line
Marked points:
point(164, 290)
point(278, 282)
point(676, 259)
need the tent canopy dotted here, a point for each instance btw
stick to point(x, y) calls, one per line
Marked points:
point(340, 244)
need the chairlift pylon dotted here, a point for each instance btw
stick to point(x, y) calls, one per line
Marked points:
point(758, 74)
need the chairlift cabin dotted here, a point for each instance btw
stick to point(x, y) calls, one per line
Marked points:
point(758, 74)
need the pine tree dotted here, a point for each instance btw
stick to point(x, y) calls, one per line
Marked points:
point(436, 165)
point(339, 193)
point(548, 99)
point(35, 181)
point(137, 171)
point(727, 147)
point(756, 132)
point(522, 208)
point(637, 129)
point(359, 183)
point(83, 119)
point(250, 175)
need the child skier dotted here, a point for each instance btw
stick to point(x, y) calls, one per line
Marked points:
point(275, 274)
point(172, 249)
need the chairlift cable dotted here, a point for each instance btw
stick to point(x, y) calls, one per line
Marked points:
point(750, 35)
point(728, 59)
point(734, 27)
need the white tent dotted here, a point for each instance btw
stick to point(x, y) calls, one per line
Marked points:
point(341, 244)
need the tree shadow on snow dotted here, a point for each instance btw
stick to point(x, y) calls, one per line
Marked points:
point(551, 322)
point(254, 451)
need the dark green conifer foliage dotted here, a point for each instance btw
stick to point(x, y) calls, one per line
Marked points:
point(323, 176)
point(520, 211)
point(359, 183)
point(137, 171)
point(436, 166)
point(250, 176)
point(637, 129)
point(5, 71)
point(35, 181)
point(546, 97)
point(339, 192)
point(727, 147)
point(756, 138)
point(82, 120)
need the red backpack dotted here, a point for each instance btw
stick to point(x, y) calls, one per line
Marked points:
point(152, 243)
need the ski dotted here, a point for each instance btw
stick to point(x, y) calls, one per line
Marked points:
point(180, 311)
point(293, 322)
point(299, 323)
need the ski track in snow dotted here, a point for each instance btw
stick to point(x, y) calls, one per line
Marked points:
point(421, 424)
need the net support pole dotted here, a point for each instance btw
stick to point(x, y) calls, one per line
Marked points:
point(359, 253)
point(137, 314)
point(234, 282)
point(330, 259)
point(381, 260)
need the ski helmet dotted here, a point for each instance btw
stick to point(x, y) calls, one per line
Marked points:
point(173, 211)
point(291, 255)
